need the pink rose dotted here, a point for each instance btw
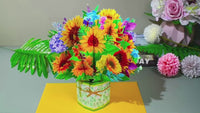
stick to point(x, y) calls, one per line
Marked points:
point(173, 10)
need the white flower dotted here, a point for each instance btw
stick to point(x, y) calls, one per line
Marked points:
point(191, 66)
point(152, 33)
point(157, 8)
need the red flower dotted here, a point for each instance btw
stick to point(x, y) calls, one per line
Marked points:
point(122, 58)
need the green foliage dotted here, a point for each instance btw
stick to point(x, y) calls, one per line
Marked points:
point(52, 33)
point(176, 22)
point(66, 75)
point(159, 49)
point(75, 58)
point(84, 13)
point(189, 28)
point(97, 8)
point(110, 49)
point(148, 14)
point(33, 55)
point(83, 31)
point(124, 44)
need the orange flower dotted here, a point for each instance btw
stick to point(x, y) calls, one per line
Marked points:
point(109, 29)
point(62, 62)
point(89, 60)
point(93, 41)
point(82, 67)
point(70, 35)
point(113, 64)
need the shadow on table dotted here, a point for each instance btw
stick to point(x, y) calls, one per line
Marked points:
point(151, 84)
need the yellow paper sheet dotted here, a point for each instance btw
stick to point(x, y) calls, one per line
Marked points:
point(61, 98)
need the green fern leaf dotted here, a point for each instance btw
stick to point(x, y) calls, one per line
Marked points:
point(33, 56)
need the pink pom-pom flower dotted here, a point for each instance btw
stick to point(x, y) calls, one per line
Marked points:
point(168, 65)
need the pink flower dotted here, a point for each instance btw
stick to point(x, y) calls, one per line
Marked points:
point(173, 10)
point(168, 65)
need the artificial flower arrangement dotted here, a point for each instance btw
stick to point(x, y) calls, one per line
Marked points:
point(171, 37)
point(93, 49)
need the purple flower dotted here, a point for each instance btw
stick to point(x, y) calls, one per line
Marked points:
point(57, 45)
point(88, 22)
point(131, 35)
point(132, 66)
point(129, 26)
point(173, 10)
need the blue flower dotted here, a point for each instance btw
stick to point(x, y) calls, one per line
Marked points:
point(58, 26)
point(115, 78)
point(57, 45)
point(90, 18)
point(135, 53)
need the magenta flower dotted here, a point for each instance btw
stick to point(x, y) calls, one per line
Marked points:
point(173, 10)
point(102, 21)
point(168, 65)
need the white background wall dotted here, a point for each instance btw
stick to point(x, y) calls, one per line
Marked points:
point(21, 20)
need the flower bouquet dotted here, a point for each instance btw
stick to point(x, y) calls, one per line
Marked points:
point(179, 17)
point(94, 49)
point(175, 28)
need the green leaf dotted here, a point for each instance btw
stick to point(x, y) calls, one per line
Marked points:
point(84, 13)
point(189, 28)
point(15, 59)
point(52, 33)
point(44, 66)
point(81, 77)
point(66, 75)
point(105, 78)
point(32, 65)
point(97, 8)
point(110, 49)
point(176, 22)
point(28, 64)
point(159, 49)
point(148, 14)
point(124, 44)
point(116, 23)
point(39, 70)
point(75, 58)
point(32, 56)
point(125, 78)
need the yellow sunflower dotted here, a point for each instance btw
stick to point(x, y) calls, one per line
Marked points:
point(111, 14)
point(113, 64)
point(93, 41)
point(100, 64)
point(82, 67)
point(109, 29)
point(70, 35)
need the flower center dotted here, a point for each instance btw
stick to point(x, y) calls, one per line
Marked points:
point(73, 34)
point(110, 30)
point(109, 17)
point(119, 57)
point(111, 64)
point(93, 41)
point(62, 63)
